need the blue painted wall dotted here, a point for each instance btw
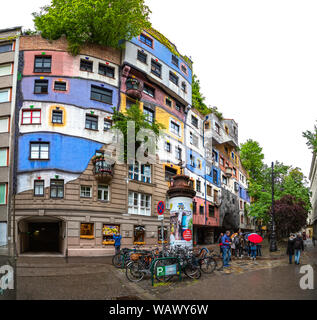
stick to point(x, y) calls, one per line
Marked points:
point(78, 95)
point(66, 153)
point(165, 55)
point(244, 194)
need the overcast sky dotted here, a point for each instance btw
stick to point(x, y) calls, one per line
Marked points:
point(256, 61)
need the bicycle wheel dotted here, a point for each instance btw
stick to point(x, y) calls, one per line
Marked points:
point(219, 262)
point(134, 271)
point(192, 271)
point(208, 265)
point(117, 260)
point(161, 263)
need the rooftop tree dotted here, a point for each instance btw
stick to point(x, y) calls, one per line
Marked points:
point(311, 137)
point(103, 22)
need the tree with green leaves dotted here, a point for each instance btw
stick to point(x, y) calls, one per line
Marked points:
point(311, 137)
point(141, 121)
point(103, 22)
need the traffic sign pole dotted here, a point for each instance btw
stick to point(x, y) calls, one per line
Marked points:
point(160, 211)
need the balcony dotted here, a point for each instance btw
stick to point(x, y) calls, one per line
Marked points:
point(134, 88)
point(103, 171)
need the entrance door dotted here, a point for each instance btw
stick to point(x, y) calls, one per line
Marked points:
point(44, 237)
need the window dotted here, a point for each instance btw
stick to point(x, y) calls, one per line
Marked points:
point(215, 176)
point(3, 193)
point(194, 207)
point(91, 122)
point(242, 216)
point(148, 90)
point(235, 131)
point(32, 116)
point(217, 128)
point(140, 173)
point(41, 86)
point(86, 65)
point(178, 153)
point(108, 231)
point(241, 205)
point(224, 180)
point(184, 87)
point(85, 192)
point(207, 125)
point(107, 125)
point(209, 190)
point(5, 69)
point(146, 40)
point(4, 157)
point(39, 151)
point(175, 60)
point(234, 172)
point(232, 155)
point(198, 186)
point(194, 121)
point(103, 193)
point(227, 151)
point(214, 156)
point(174, 128)
point(194, 140)
point(130, 103)
point(57, 188)
point(39, 188)
point(167, 146)
point(169, 173)
point(5, 47)
point(215, 196)
point(201, 210)
point(156, 68)
point(139, 234)
point(227, 129)
point(179, 107)
point(87, 230)
point(101, 94)
point(4, 95)
point(168, 102)
point(174, 78)
point(221, 161)
point(192, 160)
point(106, 70)
point(149, 115)
point(4, 125)
point(42, 64)
point(142, 56)
point(139, 203)
point(57, 116)
point(199, 163)
point(211, 211)
point(191, 183)
point(60, 86)
point(184, 69)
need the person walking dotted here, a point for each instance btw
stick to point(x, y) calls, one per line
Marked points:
point(117, 242)
point(299, 247)
point(220, 244)
point(253, 251)
point(290, 247)
point(226, 244)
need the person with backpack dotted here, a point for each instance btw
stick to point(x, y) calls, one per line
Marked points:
point(299, 247)
point(290, 247)
point(117, 242)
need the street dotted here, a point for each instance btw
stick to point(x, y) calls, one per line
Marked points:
point(95, 278)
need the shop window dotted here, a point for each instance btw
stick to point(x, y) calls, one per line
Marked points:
point(40, 86)
point(173, 78)
point(57, 188)
point(103, 193)
point(108, 231)
point(142, 56)
point(39, 188)
point(156, 68)
point(31, 116)
point(101, 94)
point(39, 151)
point(106, 70)
point(91, 122)
point(139, 235)
point(139, 204)
point(87, 231)
point(60, 86)
point(86, 65)
point(42, 64)
point(159, 235)
point(57, 116)
point(146, 40)
point(140, 172)
point(149, 90)
point(85, 192)
point(211, 211)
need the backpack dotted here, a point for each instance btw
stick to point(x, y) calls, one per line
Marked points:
point(298, 243)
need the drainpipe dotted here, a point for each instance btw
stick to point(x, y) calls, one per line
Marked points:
point(205, 170)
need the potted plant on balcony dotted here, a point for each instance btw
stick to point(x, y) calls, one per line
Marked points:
point(97, 158)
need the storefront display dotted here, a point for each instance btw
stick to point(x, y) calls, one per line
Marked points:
point(139, 235)
point(87, 231)
point(107, 233)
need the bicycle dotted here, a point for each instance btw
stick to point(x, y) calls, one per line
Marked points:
point(207, 263)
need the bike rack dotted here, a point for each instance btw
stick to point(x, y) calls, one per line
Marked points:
point(179, 271)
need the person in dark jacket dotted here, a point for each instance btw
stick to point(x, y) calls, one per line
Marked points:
point(226, 244)
point(220, 243)
point(290, 247)
point(299, 247)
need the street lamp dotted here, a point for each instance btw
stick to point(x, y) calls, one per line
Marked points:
point(273, 245)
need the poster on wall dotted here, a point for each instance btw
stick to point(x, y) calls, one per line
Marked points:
point(181, 219)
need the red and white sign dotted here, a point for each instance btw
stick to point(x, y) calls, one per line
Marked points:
point(187, 235)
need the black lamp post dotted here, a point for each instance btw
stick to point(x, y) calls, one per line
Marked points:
point(273, 245)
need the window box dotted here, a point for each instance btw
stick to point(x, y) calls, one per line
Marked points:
point(108, 242)
point(87, 237)
point(139, 243)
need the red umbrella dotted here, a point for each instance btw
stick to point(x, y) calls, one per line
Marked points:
point(255, 238)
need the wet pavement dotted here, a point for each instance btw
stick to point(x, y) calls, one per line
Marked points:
point(47, 278)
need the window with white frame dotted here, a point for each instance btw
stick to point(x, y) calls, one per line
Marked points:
point(4, 125)
point(3, 193)
point(85, 191)
point(32, 116)
point(175, 128)
point(4, 95)
point(139, 203)
point(39, 188)
point(4, 157)
point(103, 192)
point(39, 150)
point(140, 172)
point(178, 153)
point(167, 146)
point(5, 69)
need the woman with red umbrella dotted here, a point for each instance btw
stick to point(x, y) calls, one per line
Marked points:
point(254, 239)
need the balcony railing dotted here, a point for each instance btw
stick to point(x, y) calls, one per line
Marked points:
point(103, 171)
